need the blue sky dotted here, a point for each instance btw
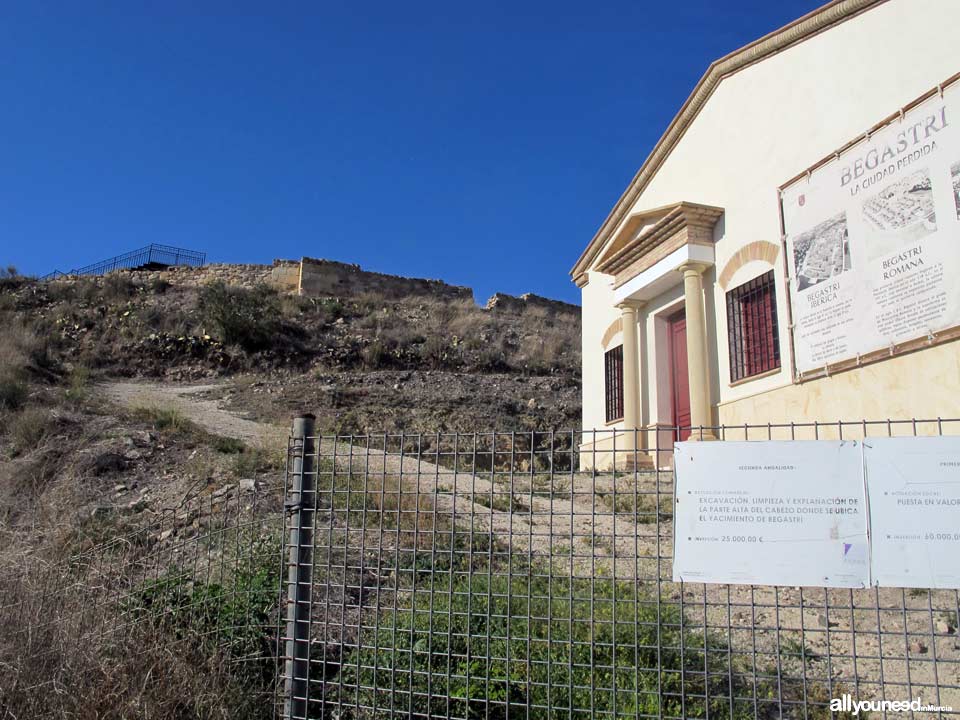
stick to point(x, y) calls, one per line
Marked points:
point(481, 143)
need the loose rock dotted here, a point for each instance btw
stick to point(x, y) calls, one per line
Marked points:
point(944, 628)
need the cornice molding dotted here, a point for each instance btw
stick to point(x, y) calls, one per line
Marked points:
point(831, 14)
point(681, 216)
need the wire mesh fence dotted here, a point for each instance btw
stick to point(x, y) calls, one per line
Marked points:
point(461, 575)
point(529, 575)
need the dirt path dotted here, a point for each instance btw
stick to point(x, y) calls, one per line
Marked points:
point(569, 523)
point(206, 413)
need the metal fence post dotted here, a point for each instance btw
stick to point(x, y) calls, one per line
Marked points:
point(301, 509)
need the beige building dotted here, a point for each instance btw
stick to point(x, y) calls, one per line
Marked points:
point(740, 277)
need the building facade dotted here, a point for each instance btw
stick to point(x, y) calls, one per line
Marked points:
point(758, 267)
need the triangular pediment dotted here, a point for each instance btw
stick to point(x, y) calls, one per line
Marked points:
point(645, 233)
point(633, 227)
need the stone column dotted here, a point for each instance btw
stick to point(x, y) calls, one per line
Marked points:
point(631, 371)
point(697, 350)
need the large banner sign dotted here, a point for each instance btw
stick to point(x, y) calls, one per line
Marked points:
point(915, 511)
point(770, 513)
point(881, 511)
point(873, 239)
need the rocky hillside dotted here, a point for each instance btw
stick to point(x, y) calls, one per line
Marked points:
point(367, 352)
point(115, 425)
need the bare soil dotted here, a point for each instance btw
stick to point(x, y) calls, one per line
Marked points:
point(876, 642)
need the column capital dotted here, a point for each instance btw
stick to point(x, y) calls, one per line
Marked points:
point(692, 267)
point(631, 305)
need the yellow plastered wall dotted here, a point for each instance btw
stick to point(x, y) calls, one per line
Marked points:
point(923, 385)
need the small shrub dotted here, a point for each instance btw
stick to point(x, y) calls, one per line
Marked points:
point(118, 286)
point(492, 357)
point(293, 306)
point(78, 384)
point(378, 354)
point(13, 389)
point(253, 461)
point(248, 318)
point(232, 614)
point(171, 320)
point(345, 423)
point(642, 505)
point(159, 286)
point(8, 275)
point(166, 419)
point(436, 352)
point(330, 309)
point(501, 501)
point(83, 661)
point(10, 278)
point(228, 445)
point(23, 352)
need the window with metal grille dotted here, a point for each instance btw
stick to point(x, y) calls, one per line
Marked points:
point(752, 328)
point(613, 383)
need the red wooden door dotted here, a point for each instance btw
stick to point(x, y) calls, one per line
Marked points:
point(680, 380)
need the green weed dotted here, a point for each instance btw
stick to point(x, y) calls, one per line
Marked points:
point(231, 615)
point(501, 501)
point(228, 445)
point(532, 646)
point(166, 420)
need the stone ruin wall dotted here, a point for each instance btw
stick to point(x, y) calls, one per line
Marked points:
point(282, 274)
point(327, 277)
point(323, 278)
point(308, 277)
point(502, 302)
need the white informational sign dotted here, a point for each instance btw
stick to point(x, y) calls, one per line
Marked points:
point(914, 493)
point(770, 513)
point(873, 239)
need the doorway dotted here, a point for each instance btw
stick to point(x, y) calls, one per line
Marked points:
point(679, 379)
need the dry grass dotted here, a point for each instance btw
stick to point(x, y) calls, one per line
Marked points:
point(626, 495)
point(406, 511)
point(167, 420)
point(22, 353)
point(13, 387)
point(448, 334)
point(78, 661)
point(383, 502)
point(252, 462)
point(27, 429)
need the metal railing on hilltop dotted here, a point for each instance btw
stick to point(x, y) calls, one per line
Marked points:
point(151, 256)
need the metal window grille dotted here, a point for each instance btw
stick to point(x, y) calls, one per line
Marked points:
point(613, 383)
point(752, 328)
